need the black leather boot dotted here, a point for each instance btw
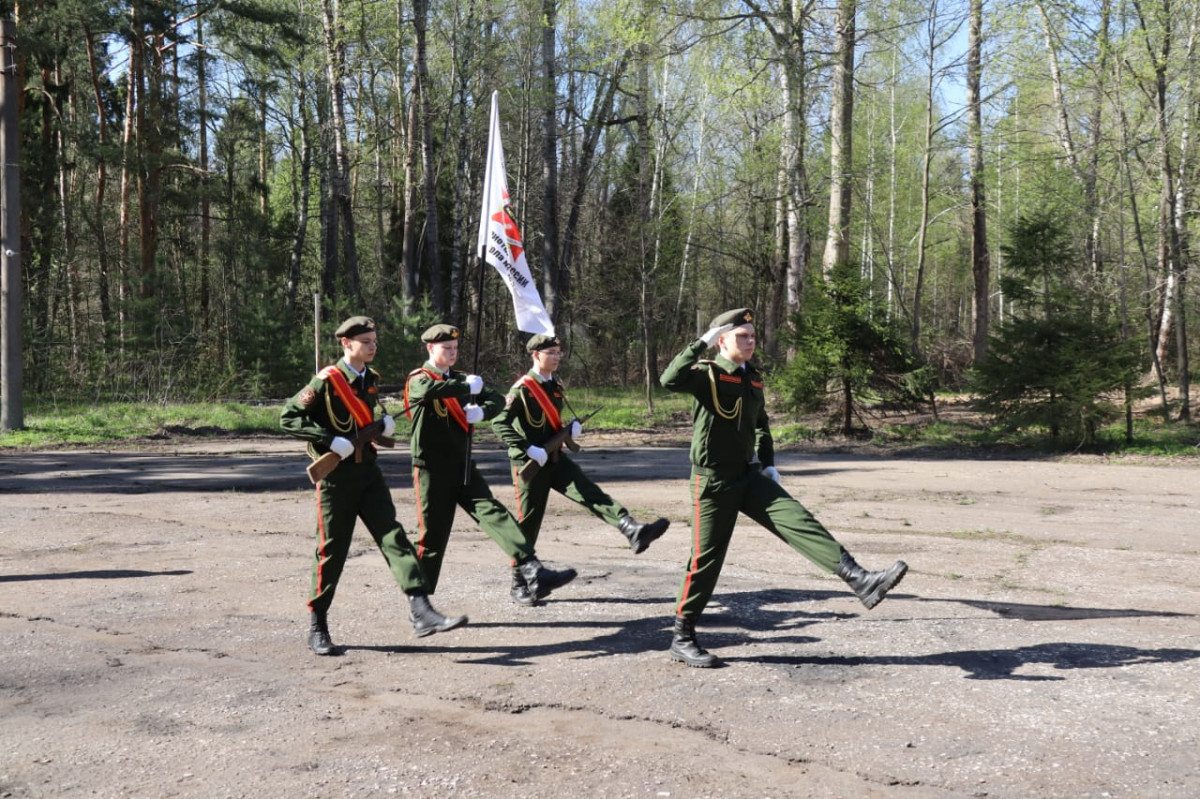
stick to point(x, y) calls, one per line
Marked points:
point(642, 535)
point(426, 620)
point(520, 591)
point(686, 649)
point(540, 580)
point(318, 635)
point(871, 587)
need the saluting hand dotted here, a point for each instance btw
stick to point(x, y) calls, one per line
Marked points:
point(710, 338)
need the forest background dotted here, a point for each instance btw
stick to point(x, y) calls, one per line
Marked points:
point(913, 195)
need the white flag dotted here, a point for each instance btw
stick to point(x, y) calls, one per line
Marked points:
point(500, 241)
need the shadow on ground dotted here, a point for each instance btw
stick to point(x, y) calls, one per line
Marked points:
point(757, 618)
point(143, 472)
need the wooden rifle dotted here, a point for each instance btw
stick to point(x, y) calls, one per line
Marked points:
point(319, 469)
point(554, 445)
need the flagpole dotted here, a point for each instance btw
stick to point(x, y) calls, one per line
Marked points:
point(500, 246)
point(479, 262)
point(475, 369)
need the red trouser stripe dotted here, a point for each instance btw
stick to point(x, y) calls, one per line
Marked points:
point(321, 539)
point(687, 583)
point(420, 512)
point(516, 475)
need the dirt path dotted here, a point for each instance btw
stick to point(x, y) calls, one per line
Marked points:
point(1046, 642)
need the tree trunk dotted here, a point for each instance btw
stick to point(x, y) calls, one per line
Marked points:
point(774, 319)
point(432, 256)
point(460, 257)
point(66, 221)
point(980, 260)
point(149, 175)
point(552, 281)
point(644, 199)
point(99, 229)
point(329, 214)
point(598, 119)
point(1170, 261)
point(300, 208)
point(203, 264)
point(129, 165)
point(339, 178)
point(841, 120)
point(926, 157)
point(409, 256)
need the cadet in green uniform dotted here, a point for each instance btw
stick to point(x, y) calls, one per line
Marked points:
point(444, 406)
point(532, 415)
point(327, 413)
point(733, 471)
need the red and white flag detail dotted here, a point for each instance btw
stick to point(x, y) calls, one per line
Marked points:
point(500, 241)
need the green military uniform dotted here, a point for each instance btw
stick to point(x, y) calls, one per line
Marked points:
point(439, 451)
point(731, 445)
point(352, 490)
point(522, 424)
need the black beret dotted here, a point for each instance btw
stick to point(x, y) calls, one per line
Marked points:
point(542, 342)
point(355, 326)
point(741, 316)
point(440, 333)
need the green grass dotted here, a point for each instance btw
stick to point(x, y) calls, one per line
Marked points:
point(1151, 437)
point(55, 424)
point(83, 424)
point(625, 408)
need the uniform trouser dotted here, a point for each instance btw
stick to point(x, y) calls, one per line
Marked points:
point(565, 477)
point(438, 492)
point(716, 503)
point(357, 491)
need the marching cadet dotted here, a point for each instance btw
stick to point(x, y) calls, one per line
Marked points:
point(328, 413)
point(532, 415)
point(733, 471)
point(444, 405)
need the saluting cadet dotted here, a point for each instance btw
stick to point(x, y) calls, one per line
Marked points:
point(533, 414)
point(328, 413)
point(444, 405)
point(733, 470)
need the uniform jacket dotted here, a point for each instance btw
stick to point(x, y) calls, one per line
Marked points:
point(317, 415)
point(522, 423)
point(437, 438)
point(730, 427)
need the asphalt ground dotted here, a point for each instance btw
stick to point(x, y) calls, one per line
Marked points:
point(1045, 642)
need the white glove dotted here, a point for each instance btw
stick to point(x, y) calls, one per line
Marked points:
point(389, 426)
point(474, 413)
point(710, 338)
point(576, 428)
point(475, 383)
point(537, 454)
point(342, 447)
point(773, 473)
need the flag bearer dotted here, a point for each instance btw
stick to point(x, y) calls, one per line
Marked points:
point(444, 406)
point(327, 413)
point(733, 471)
point(533, 414)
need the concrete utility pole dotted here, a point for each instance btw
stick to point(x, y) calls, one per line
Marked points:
point(12, 411)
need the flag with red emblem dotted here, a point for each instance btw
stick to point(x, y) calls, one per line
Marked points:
point(500, 240)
